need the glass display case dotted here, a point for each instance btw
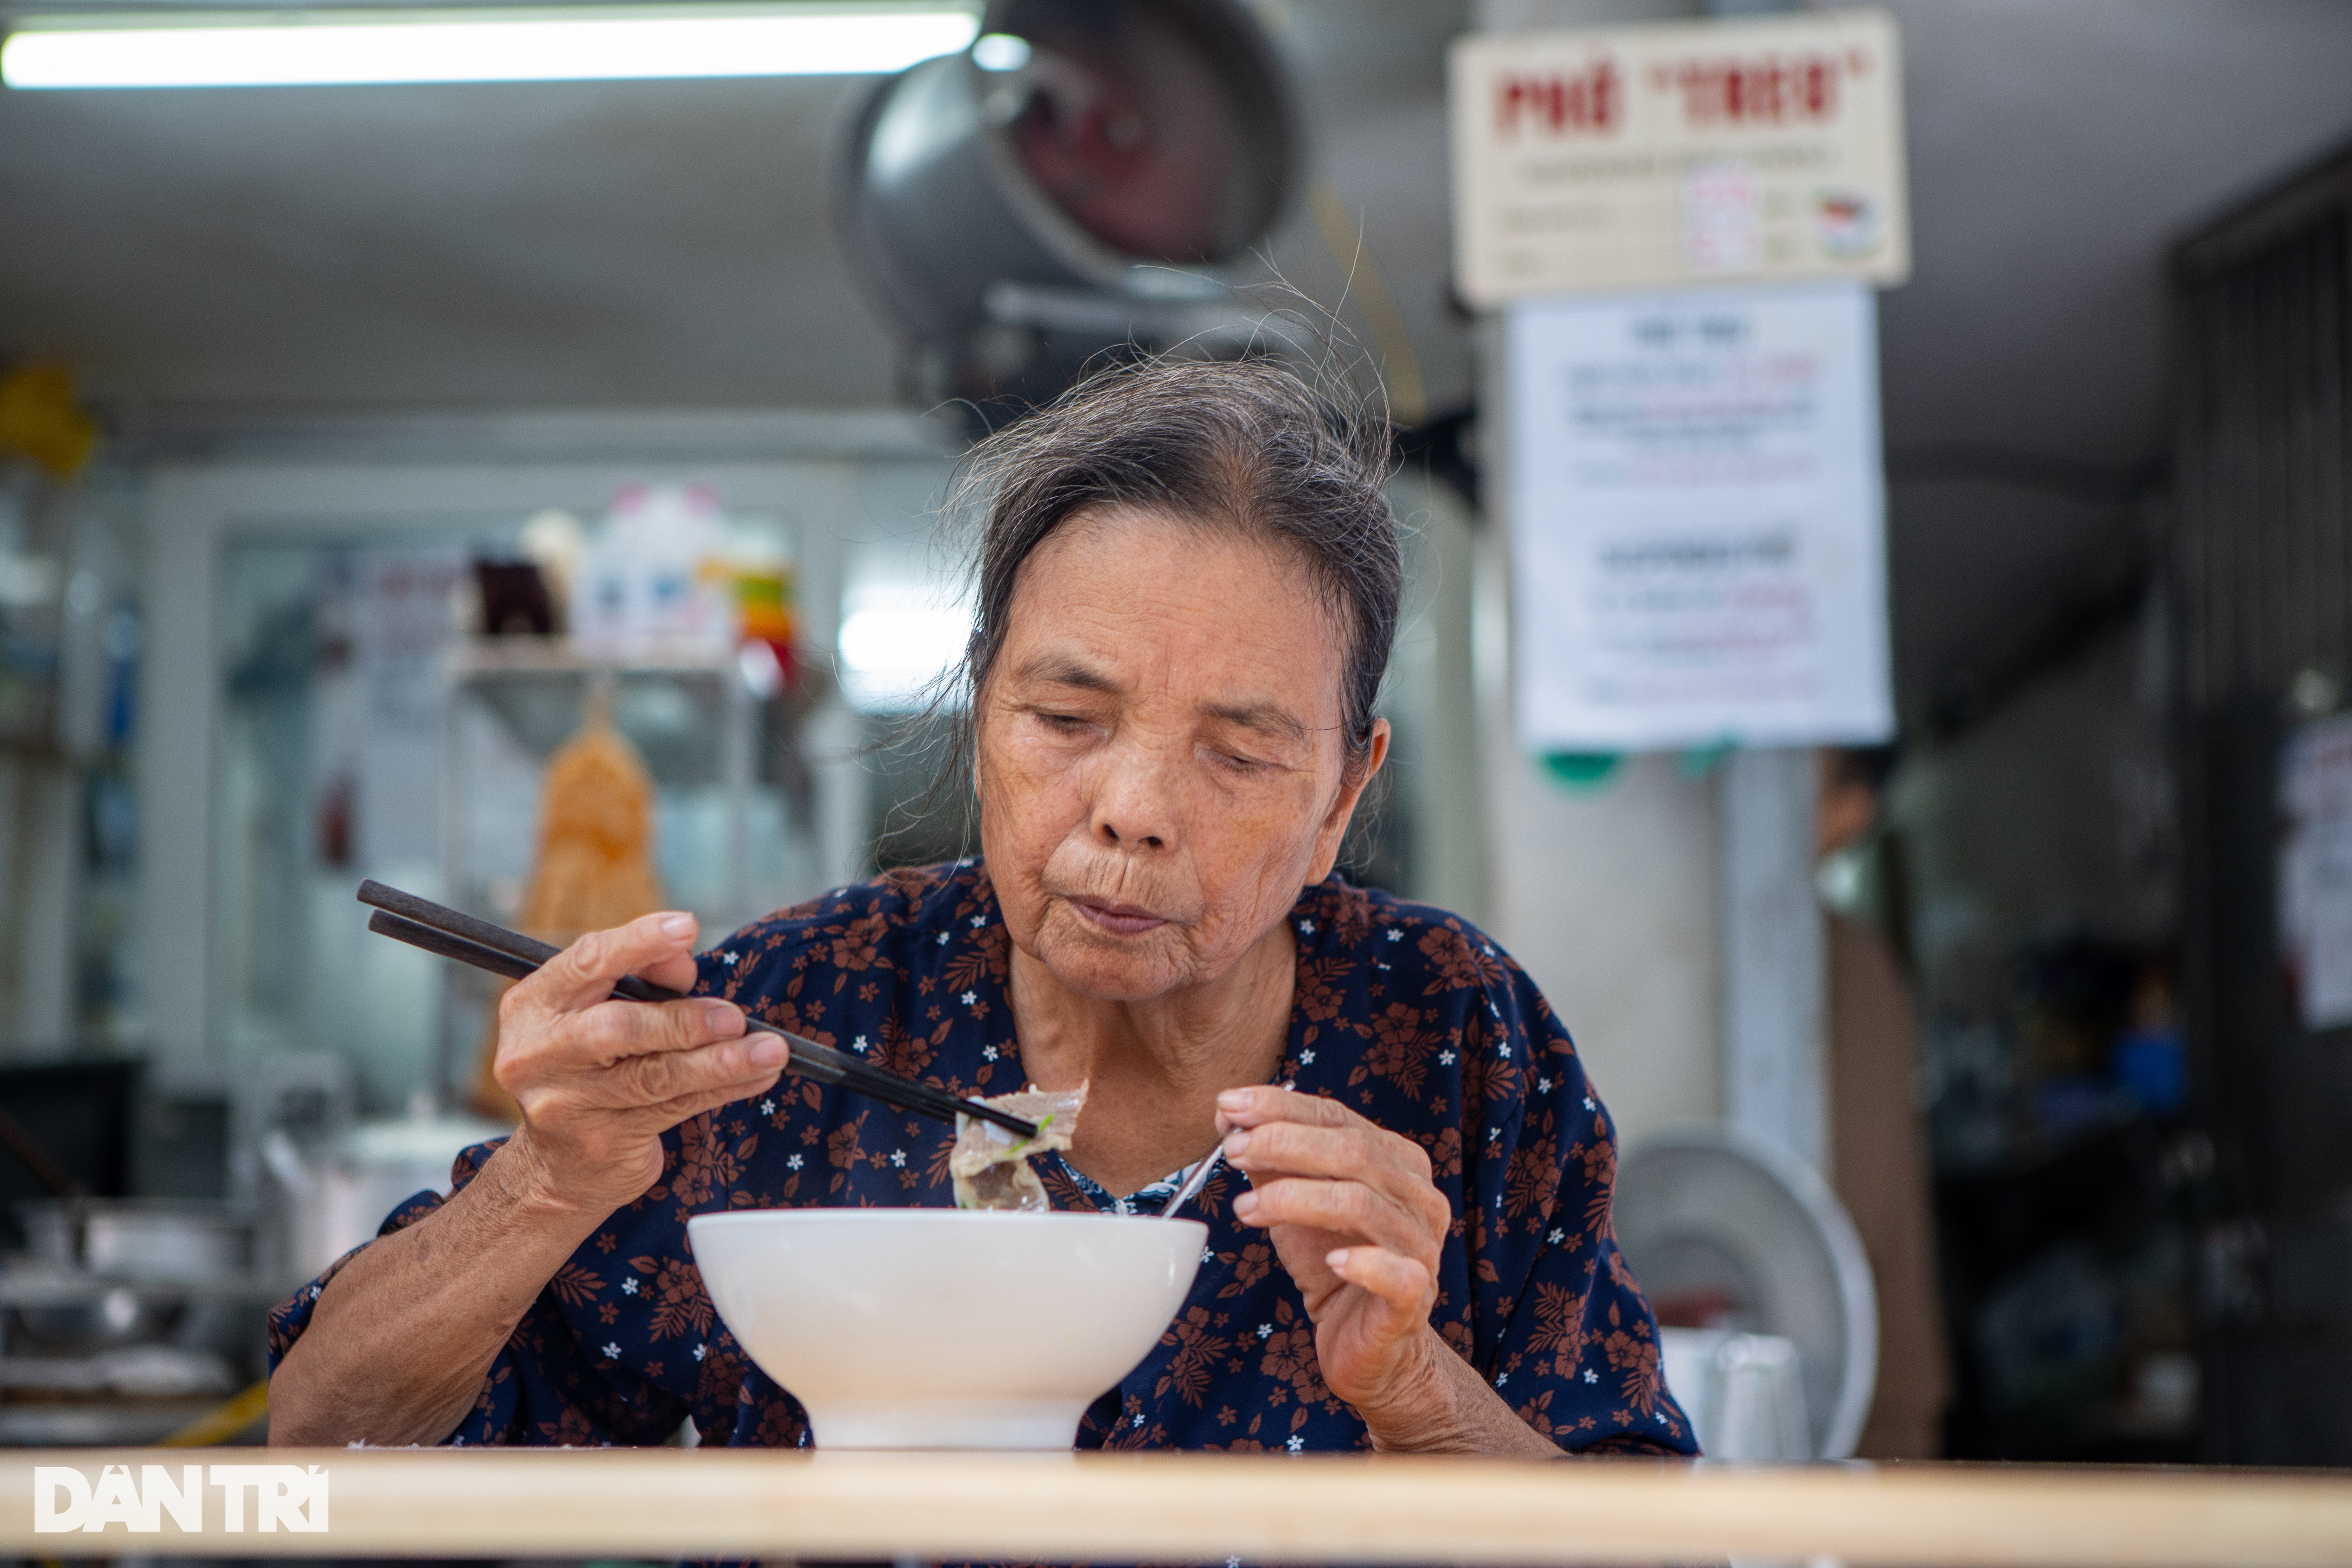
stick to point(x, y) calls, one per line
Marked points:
point(733, 809)
point(363, 733)
point(733, 825)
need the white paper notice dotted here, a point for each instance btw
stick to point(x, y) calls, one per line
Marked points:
point(2315, 870)
point(1697, 521)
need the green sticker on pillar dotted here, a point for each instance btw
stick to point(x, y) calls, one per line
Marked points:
point(1580, 770)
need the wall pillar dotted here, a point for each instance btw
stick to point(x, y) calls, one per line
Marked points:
point(1775, 965)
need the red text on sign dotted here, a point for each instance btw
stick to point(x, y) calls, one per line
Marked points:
point(1559, 102)
point(1770, 91)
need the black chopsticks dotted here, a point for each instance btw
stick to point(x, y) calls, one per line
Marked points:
point(453, 934)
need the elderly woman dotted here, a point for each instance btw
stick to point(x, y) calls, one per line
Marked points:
point(1188, 587)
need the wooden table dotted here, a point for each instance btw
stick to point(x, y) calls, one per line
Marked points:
point(655, 1503)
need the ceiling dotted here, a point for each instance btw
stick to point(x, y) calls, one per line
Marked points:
point(559, 244)
point(667, 244)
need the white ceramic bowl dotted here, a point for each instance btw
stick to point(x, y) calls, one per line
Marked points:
point(941, 1328)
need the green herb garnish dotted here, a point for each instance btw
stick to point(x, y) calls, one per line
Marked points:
point(1042, 1125)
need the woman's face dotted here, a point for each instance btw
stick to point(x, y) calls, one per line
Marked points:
point(1160, 766)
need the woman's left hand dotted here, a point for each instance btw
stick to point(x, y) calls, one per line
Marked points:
point(1358, 1224)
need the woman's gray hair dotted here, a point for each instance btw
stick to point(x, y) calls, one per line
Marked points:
point(1247, 445)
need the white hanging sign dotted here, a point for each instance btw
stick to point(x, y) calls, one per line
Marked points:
point(1700, 152)
point(1697, 521)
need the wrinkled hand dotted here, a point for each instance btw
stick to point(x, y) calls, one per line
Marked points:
point(600, 1081)
point(1358, 1224)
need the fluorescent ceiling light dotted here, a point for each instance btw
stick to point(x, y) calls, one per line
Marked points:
point(329, 48)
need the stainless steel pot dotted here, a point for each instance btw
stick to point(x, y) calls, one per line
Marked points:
point(104, 1321)
point(325, 1202)
point(138, 1238)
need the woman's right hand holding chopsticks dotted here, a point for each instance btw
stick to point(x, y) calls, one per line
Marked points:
point(601, 1081)
point(402, 1336)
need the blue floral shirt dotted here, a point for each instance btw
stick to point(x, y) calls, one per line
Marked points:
point(1402, 1012)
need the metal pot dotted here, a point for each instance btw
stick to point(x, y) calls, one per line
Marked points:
point(138, 1238)
point(326, 1202)
point(104, 1321)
